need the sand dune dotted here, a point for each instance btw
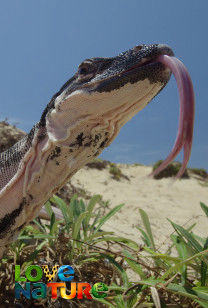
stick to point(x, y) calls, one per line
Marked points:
point(161, 199)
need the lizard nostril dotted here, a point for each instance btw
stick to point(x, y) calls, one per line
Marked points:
point(138, 48)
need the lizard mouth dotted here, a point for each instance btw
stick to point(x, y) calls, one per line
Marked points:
point(186, 116)
point(144, 63)
point(150, 63)
point(133, 66)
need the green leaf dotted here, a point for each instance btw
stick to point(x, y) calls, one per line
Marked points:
point(104, 301)
point(89, 209)
point(137, 268)
point(128, 255)
point(188, 236)
point(108, 216)
point(188, 292)
point(78, 207)
point(48, 208)
point(176, 267)
point(52, 221)
point(41, 227)
point(81, 206)
point(161, 256)
point(70, 208)
point(76, 228)
point(54, 229)
point(119, 269)
point(77, 225)
point(34, 254)
point(202, 304)
point(200, 239)
point(128, 242)
point(204, 208)
point(183, 254)
point(36, 236)
point(73, 207)
point(95, 221)
point(64, 208)
point(146, 223)
point(145, 237)
point(119, 301)
point(97, 235)
point(152, 282)
point(191, 227)
point(201, 289)
point(203, 273)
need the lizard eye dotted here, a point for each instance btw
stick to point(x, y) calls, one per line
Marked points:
point(83, 71)
point(86, 69)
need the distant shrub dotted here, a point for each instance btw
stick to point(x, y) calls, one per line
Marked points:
point(170, 171)
point(199, 171)
point(98, 164)
point(116, 172)
point(137, 165)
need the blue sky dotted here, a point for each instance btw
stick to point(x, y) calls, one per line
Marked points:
point(43, 42)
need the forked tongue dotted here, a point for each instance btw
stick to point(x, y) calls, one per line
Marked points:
point(186, 117)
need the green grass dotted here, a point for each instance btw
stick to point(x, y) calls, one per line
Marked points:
point(178, 276)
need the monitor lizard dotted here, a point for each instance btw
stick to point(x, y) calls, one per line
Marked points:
point(80, 121)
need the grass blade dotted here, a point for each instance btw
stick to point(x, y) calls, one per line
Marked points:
point(48, 208)
point(185, 291)
point(204, 208)
point(64, 208)
point(145, 237)
point(183, 255)
point(176, 267)
point(128, 242)
point(108, 216)
point(90, 209)
point(136, 268)
point(204, 268)
point(77, 225)
point(188, 236)
point(119, 269)
point(146, 223)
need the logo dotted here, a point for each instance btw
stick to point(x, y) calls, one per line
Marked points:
point(30, 285)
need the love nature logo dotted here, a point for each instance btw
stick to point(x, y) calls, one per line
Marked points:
point(30, 285)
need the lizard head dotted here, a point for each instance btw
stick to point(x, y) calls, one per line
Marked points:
point(122, 84)
point(104, 94)
point(104, 75)
point(107, 92)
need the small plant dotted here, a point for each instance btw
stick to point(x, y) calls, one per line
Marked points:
point(165, 279)
point(116, 172)
point(77, 239)
point(160, 278)
point(137, 165)
point(98, 163)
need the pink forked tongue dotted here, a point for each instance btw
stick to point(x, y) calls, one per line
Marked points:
point(186, 118)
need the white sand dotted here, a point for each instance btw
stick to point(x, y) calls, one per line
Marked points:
point(161, 199)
